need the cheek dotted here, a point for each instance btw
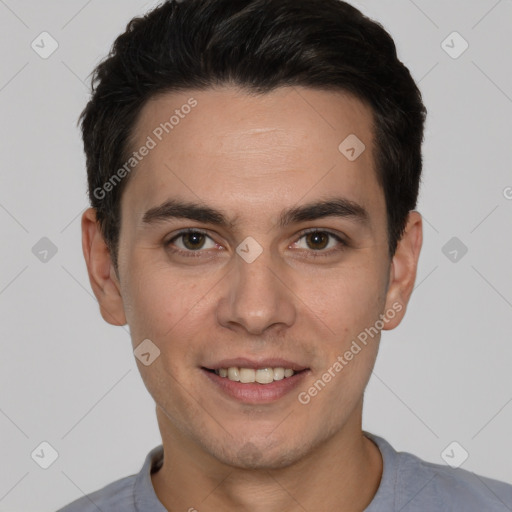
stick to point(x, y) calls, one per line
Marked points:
point(164, 309)
point(151, 298)
point(165, 305)
point(347, 300)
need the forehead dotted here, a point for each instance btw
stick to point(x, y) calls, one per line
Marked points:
point(227, 147)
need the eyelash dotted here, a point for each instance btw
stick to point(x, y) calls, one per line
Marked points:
point(313, 254)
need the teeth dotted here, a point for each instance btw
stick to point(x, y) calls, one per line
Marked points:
point(249, 375)
point(232, 374)
point(278, 373)
point(264, 376)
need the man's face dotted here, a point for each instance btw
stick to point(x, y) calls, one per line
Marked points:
point(260, 290)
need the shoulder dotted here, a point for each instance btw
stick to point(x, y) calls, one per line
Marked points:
point(410, 484)
point(113, 497)
point(452, 488)
point(449, 489)
point(131, 493)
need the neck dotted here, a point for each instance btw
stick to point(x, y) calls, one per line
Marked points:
point(342, 474)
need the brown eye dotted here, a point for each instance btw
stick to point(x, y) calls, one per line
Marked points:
point(320, 243)
point(193, 240)
point(317, 240)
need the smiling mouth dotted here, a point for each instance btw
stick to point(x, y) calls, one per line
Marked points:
point(255, 375)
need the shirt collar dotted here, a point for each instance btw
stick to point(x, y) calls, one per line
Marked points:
point(146, 500)
point(384, 498)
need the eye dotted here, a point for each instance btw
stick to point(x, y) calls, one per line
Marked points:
point(194, 242)
point(320, 241)
point(190, 240)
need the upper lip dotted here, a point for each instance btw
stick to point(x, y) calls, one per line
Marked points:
point(243, 362)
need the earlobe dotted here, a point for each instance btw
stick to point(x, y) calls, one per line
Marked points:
point(403, 269)
point(101, 272)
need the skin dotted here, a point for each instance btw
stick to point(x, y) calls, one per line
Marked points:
point(251, 157)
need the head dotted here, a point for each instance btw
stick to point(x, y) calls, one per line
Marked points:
point(285, 136)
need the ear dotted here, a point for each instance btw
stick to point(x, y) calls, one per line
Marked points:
point(403, 269)
point(102, 275)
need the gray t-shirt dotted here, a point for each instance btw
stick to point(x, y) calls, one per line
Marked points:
point(408, 484)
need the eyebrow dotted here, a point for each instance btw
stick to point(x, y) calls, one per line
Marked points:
point(335, 207)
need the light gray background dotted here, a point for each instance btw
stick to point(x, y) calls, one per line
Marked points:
point(70, 379)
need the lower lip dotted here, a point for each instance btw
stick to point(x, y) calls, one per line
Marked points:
point(255, 393)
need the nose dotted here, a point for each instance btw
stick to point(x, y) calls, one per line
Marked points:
point(256, 297)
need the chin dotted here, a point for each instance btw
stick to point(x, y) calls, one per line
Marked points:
point(253, 455)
